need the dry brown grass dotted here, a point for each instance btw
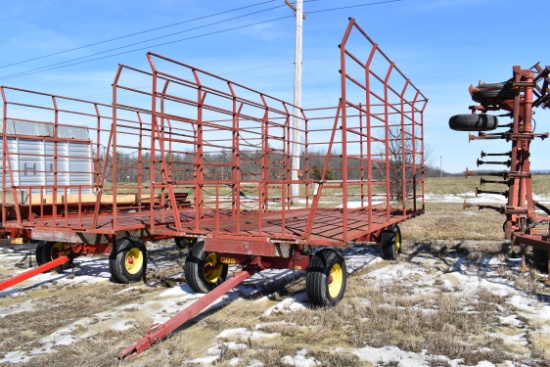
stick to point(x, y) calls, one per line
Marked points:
point(441, 321)
point(381, 315)
point(240, 313)
point(449, 222)
point(100, 351)
point(461, 184)
point(57, 307)
point(95, 352)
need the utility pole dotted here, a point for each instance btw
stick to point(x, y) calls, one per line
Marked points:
point(295, 162)
point(440, 166)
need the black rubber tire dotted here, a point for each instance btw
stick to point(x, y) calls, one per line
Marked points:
point(38, 253)
point(540, 260)
point(319, 281)
point(184, 242)
point(127, 253)
point(493, 93)
point(47, 251)
point(390, 241)
point(198, 271)
point(473, 122)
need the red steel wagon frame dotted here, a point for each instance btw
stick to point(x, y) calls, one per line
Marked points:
point(208, 162)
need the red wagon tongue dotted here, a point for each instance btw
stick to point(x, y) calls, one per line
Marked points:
point(159, 332)
point(34, 271)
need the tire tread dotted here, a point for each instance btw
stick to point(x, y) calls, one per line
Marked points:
point(473, 122)
point(117, 258)
point(193, 269)
point(44, 253)
point(387, 242)
point(317, 278)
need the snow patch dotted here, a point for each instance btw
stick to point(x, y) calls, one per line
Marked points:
point(393, 354)
point(518, 339)
point(300, 360)
point(522, 303)
point(15, 357)
point(122, 325)
point(244, 334)
point(510, 320)
point(288, 305)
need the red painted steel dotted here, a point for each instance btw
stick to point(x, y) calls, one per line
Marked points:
point(32, 272)
point(294, 261)
point(523, 223)
point(197, 155)
point(228, 149)
point(159, 332)
point(61, 207)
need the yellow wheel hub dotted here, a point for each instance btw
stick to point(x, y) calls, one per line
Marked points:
point(335, 280)
point(134, 260)
point(57, 250)
point(212, 268)
point(397, 242)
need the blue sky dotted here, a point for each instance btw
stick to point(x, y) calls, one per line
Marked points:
point(443, 46)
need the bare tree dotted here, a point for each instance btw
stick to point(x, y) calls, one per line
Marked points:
point(403, 163)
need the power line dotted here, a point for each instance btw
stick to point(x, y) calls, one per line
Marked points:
point(353, 6)
point(320, 88)
point(223, 74)
point(133, 34)
point(72, 62)
point(67, 63)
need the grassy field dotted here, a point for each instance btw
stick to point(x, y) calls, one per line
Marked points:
point(332, 196)
point(460, 184)
point(449, 220)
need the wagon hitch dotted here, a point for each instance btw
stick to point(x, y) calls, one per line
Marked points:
point(34, 271)
point(157, 333)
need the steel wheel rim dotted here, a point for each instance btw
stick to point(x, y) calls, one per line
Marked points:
point(133, 262)
point(212, 270)
point(336, 279)
point(57, 250)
